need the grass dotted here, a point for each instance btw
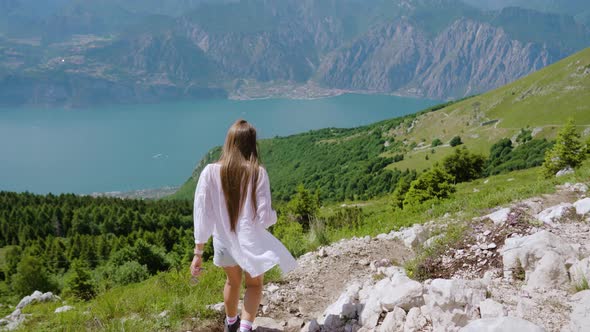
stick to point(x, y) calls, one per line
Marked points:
point(582, 286)
point(136, 307)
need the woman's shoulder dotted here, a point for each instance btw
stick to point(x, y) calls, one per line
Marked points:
point(212, 166)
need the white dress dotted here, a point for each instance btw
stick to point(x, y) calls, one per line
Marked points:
point(254, 248)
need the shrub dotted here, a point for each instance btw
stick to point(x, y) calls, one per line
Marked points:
point(290, 233)
point(524, 136)
point(436, 142)
point(567, 151)
point(464, 165)
point(144, 253)
point(434, 183)
point(303, 206)
point(130, 272)
point(30, 276)
point(455, 141)
point(503, 158)
point(397, 158)
point(401, 189)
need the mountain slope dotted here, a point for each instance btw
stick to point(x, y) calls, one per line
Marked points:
point(361, 162)
point(541, 101)
point(441, 49)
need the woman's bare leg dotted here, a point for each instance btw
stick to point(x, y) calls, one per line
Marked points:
point(231, 291)
point(252, 297)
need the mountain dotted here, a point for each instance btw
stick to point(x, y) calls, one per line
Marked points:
point(80, 53)
point(577, 8)
point(363, 162)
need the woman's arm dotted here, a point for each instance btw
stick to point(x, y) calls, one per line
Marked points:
point(202, 209)
point(266, 215)
point(202, 221)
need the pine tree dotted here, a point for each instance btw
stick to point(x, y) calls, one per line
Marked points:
point(568, 151)
point(79, 282)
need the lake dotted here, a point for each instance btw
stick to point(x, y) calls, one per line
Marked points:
point(124, 148)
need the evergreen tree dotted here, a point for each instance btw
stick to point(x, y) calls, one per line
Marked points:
point(567, 151)
point(79, 282)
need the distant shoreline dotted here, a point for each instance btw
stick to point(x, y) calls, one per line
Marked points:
point(307, 91)
point(155, 193)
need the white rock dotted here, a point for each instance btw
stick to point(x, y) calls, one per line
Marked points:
point(322, 252)
point(499, 217)
point(524, 307)
point(502, 324)
point(342, 306)
point(555, 213)
point(576, 187)
point(414, 236)
point(550, 272)
point(402, 292)
point(266, 324)
point(383, 236)
point(451, 304)
point(217, 307)
point(311, 326)
point(295, 322)
point(37, 296)
point(394, 321)
point(565, 171)
point(529, 250)
point(491, 309)
point(582, 206)
point(364, 262)
point(164, 313)
point(580, 316)
point(580, 271)
point(272, 288)
point(415, 321)
point(63, 309)
point(388, 293)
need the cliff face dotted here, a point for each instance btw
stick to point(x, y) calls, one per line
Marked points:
point(467, 57)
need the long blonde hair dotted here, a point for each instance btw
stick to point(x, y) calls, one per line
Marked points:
point(239, 167)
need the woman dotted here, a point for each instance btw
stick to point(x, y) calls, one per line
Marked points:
point(232, 203)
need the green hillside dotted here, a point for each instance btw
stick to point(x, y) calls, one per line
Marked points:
point(358, 163)
point(541, 102)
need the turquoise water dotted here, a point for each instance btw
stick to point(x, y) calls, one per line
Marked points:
point(123, 148)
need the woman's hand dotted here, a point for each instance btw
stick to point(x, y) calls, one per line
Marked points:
point(196, 266)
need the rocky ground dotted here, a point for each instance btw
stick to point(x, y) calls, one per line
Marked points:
point(523, 267)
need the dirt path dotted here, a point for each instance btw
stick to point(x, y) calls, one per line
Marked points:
point(324, 274)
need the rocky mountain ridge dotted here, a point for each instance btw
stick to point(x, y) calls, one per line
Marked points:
point(435, 49)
